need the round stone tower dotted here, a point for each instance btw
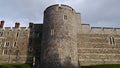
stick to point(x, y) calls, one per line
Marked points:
point(59, 38)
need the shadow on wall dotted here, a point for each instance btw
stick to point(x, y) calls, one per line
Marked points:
point(30, 49)
point(34, 53)
point(57, 63)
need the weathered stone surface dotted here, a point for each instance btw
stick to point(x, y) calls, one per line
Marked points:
point(60, 42)
point(94, 46)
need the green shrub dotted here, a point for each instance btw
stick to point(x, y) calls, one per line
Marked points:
point(21, 66)
point(15, 66)
point(6, 66)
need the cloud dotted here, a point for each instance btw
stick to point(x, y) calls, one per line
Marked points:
point(23, 11)
point(97, 11)
point(94, 12)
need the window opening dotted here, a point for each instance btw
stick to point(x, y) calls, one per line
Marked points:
point(7, 44)
point(65, 17)
point(17, 35)
point(112, 40)
point(52, 32)
point(5, 52)
point(1, 33)
point(15, 44)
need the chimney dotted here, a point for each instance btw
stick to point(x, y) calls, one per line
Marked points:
point(17, 24)
point(2, 24)
point(31, 25)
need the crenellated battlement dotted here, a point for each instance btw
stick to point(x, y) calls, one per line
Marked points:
point(17, 26)
point(88, 28)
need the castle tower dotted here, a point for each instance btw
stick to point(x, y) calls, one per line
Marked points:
point(59, 38)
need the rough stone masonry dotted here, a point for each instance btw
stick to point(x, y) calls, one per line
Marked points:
point(62, 41)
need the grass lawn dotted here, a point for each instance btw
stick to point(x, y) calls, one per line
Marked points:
point(103, 66)
point(28, 66)
point(15, 66)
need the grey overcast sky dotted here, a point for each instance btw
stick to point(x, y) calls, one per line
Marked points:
point(102, 13)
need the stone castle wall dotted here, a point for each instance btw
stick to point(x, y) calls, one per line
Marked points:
point(14, 43)
point(60, 41)
point(98, 45)
point(18, 44)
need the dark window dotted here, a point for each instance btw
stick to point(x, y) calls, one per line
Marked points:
point(17, 34)
point(30, 50)
point(8, 33)
point(15, 44)
point(7, 44)
point(112, 40)
point(5, 51)
point(65, 17)
point(59, 7)
point(1, 33)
